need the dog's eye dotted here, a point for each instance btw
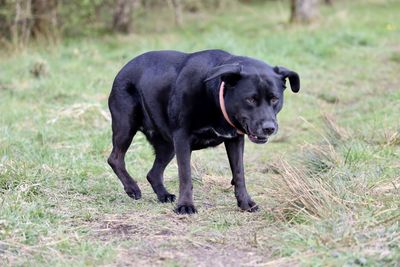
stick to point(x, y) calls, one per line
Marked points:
point(274, 100)
point(251, 100)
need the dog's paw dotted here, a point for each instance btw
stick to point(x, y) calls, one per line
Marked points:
point(185, 209)
point(166, 198)
point(133, 192)
point(248, 205)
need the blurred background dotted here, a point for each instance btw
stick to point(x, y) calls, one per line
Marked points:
point(328, 184)
point(22, 21)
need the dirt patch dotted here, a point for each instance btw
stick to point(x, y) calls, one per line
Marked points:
point(191, 256)
point(169, 239)
point(127, 226)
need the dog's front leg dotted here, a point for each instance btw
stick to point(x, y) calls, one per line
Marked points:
point(234, 149)
point(183, 152)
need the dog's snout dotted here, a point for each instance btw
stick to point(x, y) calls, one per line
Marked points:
point(268, 127)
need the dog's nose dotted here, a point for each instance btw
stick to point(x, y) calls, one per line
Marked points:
point(268, 127)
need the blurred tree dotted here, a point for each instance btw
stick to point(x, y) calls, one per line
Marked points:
point(122, 18)
point(20, 20)
point(303, 10)
point(24, 20)
point(3, 20)
point(328, 2)
point(21, 25)
point(44, 22)
point(177, 6)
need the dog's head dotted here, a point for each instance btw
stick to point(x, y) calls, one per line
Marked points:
point(254, 95)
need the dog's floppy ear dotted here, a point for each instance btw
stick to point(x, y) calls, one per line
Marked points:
point(294, 78)
point(229, 73)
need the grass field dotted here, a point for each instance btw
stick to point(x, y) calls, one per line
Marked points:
point(328, 185)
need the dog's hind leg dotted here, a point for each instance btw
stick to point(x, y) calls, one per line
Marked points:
point(164, 153)
point(126, 118)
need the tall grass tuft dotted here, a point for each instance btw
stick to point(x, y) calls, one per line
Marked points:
point(321, 158)
point(310, 189)
point(334, 132)
point(301, 195)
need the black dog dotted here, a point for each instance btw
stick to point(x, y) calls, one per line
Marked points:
point(184, 102)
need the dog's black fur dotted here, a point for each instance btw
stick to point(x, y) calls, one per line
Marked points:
point(172, 97)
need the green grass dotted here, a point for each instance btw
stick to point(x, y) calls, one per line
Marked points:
point(328, 184)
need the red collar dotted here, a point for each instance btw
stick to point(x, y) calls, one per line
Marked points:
point(223, 109)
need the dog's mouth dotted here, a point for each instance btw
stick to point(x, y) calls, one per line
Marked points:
point(258, 139)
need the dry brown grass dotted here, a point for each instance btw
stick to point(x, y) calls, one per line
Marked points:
point(78, 110)
point(393, 139)
point(333, 129)
point(301, 195)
